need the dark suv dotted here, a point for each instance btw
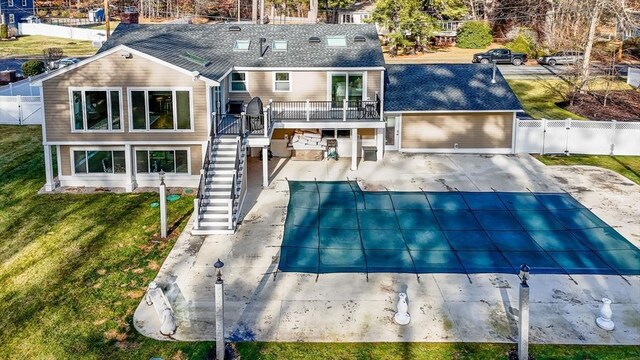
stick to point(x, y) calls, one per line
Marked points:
point(561, 57)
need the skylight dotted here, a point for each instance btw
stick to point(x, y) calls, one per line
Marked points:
point(279, 45)
point(198, 60)
point(242, 45)
point(336, 40)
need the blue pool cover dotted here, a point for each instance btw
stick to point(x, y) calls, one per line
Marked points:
point(335, 227)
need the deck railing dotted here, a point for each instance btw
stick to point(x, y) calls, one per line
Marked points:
point(241, 124)
point(308, 110)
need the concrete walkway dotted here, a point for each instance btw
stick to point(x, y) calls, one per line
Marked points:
point(443, 307)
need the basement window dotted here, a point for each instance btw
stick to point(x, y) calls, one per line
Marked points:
point(336, 41)
point(241, 45)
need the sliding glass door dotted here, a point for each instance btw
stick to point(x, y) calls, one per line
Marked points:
point(346, 87)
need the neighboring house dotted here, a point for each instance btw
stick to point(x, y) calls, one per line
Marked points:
point(195, 100)
point(449, 108)
point(12, 11)
point(448, 32)
point(357, 13)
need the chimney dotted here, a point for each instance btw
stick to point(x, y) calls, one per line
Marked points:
point(129, 15)
point(493, 77)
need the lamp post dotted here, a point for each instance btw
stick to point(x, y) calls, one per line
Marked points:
point(523, 324)
point(219, 309)
point(163, 206)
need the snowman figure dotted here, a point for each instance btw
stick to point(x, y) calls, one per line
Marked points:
point(402, 316)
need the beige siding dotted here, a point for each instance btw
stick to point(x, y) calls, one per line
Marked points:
point(65, 160)
point(470, 131)
point(305, 85)
point(196, 160)
point(116, 71)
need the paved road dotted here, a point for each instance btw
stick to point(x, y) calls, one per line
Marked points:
point(535, 71)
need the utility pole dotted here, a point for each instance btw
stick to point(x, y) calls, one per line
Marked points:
point(106, 18)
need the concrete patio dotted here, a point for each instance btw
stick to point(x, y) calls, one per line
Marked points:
point(443, 307)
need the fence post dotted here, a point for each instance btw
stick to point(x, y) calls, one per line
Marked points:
point(544, 134)
point(567, 124)
point(613, 137)
point(19, 110)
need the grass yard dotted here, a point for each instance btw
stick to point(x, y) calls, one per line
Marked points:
point(112, 26)
point(627, 166)
point(32, 45)
point(74, 267)
point(429, 351)
point(539, 100)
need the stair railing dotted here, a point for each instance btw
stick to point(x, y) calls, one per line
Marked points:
point(198, 202)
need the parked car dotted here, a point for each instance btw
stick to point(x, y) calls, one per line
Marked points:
point(66, 62)
point(500, 56)
point(561, 57)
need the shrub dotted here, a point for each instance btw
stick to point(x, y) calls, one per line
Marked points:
point(3, 31)
point(33, 67)
point(631, 46)
point(65, 13)
point(55, 13)
point(42, 13)
point(474, 35)
point(523, 44)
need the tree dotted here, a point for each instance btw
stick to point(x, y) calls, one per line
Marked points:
point(52, 54)
point(32, 67)
point(474, 35)
point(409, 26)
point(450, 9)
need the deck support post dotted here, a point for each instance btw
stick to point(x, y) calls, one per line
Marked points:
point(379, 143)
point(128, 165)
point(354, 149)
point(265, 166)
point(48, 167)
point(219, 313)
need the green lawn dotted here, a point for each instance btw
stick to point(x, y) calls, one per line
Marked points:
point(538, 100)
point(32, 45)
point(74, 267)
point(628, 166)
point(112, 25)
point(429, 351)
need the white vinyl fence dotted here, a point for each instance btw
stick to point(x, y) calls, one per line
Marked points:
point(578, 137)
point(20, 110)
point(633, 77)
point(67, 32)
point(22, 87)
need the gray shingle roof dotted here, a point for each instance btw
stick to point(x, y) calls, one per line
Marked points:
point(461, 87)
point(215, 44)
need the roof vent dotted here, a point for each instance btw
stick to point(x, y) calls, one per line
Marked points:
point(314, 39)
point(359, 38)
point(234, 28)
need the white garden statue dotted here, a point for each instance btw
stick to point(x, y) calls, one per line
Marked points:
point(604, 320)
point(168, 324)
point(402, 316)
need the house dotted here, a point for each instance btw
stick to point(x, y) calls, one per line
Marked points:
point(194, 101)
point(173, 98)
point(357, 13)
point(12, 11)
point(449, 108)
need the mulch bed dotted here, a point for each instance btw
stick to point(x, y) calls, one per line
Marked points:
point(621, 105)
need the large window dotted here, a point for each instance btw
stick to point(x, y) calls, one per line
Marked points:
point(238, 82)
point(171, 161)
point(98, 161)
point(160, 109)
point(346, 87)
point(281, 81)
point(97, 109)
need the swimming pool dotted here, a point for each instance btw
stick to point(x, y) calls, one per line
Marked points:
point(335, 227)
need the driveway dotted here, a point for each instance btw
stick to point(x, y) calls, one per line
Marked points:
point(443, 307)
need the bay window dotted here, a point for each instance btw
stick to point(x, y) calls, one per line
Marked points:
point(98, 161)
point(160, 109)
point(170, 161)
point(96, 109)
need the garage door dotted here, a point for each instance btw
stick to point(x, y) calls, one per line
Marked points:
point(473, 132)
